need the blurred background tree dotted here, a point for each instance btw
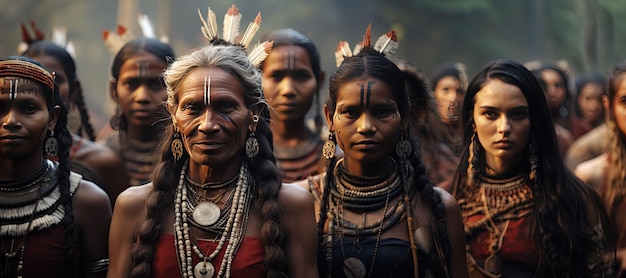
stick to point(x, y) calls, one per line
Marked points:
point(585, 33)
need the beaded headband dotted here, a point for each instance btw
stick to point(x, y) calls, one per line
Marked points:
point(230, 34)
point(386, 44)
point(23, 69)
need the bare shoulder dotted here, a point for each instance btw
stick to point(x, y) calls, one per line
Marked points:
point(89, 197)
point(592, 171)
point(446, 198)
point(292, 195)
point(97, 155)
point(133, 198)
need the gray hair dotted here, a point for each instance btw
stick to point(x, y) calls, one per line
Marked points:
point(233, 59)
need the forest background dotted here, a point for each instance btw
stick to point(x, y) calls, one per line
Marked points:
point(589, 35)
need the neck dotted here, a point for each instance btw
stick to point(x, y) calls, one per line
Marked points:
point(149, 133)
point(11, 169)
point(381, 168)
point(289, 133)
point(503, 167)
point(203, 173)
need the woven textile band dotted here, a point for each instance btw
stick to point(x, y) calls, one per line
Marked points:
point(23, 69)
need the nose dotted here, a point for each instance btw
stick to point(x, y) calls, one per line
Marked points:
point(504, 125)
point(365, 124)
point(286, 87)
point(208, 122)
point(142, 94)
point(10, 121)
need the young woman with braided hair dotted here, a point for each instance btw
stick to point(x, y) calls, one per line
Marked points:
point(525, 214)
point(379, 215)
point(215, 208)
point(607, 172)
point(96, 163)
point(47, 223)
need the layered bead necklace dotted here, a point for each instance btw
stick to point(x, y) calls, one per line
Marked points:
point(361, 194)
point(499, 201)
point(232, 231)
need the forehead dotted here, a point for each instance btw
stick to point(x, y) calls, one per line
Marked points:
point(50, 63)
point(143, 60)
point(353, 90)
point(499, 94)
point(25, 88)
point(222, 82)
point(280, 55)
point(551, 75)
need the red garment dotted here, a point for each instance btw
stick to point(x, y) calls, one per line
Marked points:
point(518, 246)
point(44, 254)
point(248, 261)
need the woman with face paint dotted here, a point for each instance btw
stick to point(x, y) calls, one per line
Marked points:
point(216, 207)
point(137, 88)
point(292, 79)
point(525, 214)
point(607, 172)
point(96, 163)
point(380, 216)
point(52, 223)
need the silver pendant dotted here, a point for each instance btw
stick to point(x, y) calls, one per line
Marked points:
point(203, 270)
point(353, 268)
point(206, 213)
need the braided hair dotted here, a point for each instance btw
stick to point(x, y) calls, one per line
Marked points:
point(371, 63)
point(62, 134)
point(263, 167)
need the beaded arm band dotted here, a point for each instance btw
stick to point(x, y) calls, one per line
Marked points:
point(23, 69)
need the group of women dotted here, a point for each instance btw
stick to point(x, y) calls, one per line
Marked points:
point(222, 175)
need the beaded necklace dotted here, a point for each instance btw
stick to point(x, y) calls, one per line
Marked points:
point(499, 201)
point(233, 231)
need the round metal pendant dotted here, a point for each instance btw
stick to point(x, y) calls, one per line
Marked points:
point(493, 264)
point(203, 270)
point(353, 268)
point(206, 213)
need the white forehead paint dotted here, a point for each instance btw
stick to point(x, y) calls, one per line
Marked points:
point(207, 90)
point(13, 89)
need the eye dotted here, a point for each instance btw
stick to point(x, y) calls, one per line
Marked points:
point(190, 107)
point(383, 113)
point(490, 115)
point(155, 84)
point(350, 113)
point(519, 115)
point(225, 106)
point(132, 84)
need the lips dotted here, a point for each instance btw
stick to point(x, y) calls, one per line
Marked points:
point(142, 113)
point(208, 146)
point(12, 138)
point(366, 144)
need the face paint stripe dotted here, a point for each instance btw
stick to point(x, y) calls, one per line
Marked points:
point(207, 90)
point(362, 94)
point(369, 92)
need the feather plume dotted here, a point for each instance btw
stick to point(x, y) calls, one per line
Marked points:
point(59, 35)
point(343, 51)
point(367, 38)
point(357, 48)
point(232, 20)
point(22, 47)
point(25, 35)
point(387, 43)
point(38, 34)
point(252, 29)
point(260, 52)
point(112, 41)
point(71, 49)
point(125, 34)
point(146, 26)
point(209, 26)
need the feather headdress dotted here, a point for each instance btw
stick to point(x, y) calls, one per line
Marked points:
point(114, 41)
point(59, 37)
point(386, 44)
point(230, 33)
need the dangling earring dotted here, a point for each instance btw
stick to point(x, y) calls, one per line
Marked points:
point(404, 147)
point(252, 144)
point(328, 150)
point(472, 160)
point(177, 146)
point(532, 157)
point(51, 146)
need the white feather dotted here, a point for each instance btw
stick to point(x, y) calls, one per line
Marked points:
point(146, 26)
point(252, 29)
point(343, 51)
point(387, 43)
point(59, 35)
point(232, 20)
point(260, 52)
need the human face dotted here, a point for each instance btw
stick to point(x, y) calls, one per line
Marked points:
point(140, 91)
point(502, 123)
point(619, 104)
point(590, 102)
point(60, 77)
point(213, 119)
point(555, 88)
point(366, 122)
point(25, 120)
point(449, 97)
point(289, 83)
